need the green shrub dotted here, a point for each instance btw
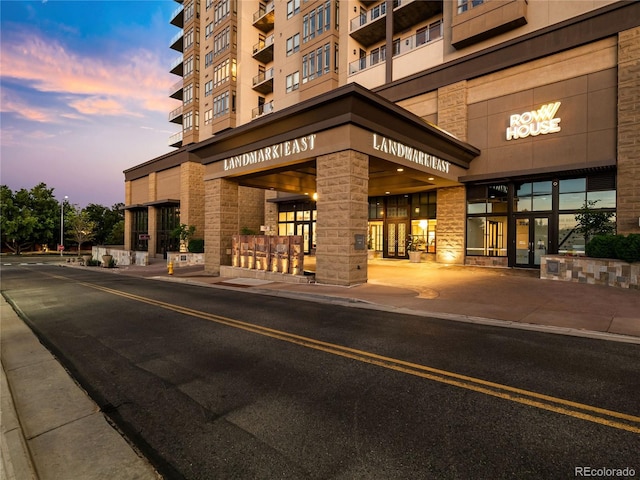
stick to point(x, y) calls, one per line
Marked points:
point(601, 246)
point(93, 263)
point(615, 246)
point(628, 248)
point(196, 245)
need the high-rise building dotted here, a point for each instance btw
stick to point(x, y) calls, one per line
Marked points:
point(474, 128)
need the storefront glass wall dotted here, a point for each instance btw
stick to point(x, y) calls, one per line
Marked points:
point(168, 221)
point(299, 218)
point(140, 230)
point(487, 220)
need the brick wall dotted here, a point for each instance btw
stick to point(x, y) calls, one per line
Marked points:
point(628, 202)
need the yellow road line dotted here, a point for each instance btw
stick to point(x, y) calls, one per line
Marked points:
point(518, 395)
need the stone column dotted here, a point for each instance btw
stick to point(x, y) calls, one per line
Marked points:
point(451, 214)
point(251, 208)
point(450, 230)
point(192, 196)
point(342, 185)
point(628, 181)
point(271, 212)
point(221, 222)
point(153, 231)
point(128, 218)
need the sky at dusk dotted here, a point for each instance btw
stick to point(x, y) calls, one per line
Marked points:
point(84, 93)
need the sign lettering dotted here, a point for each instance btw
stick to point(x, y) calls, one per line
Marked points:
point(273, 152)
point(536, 122)
point(410, 154)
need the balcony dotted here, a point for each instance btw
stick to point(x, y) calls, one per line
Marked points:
point(262, 110)
point(177, 66)
point(175, 140)
point(177, 17)
point(264, 18)
point(176, 90)
point(176, 115)
point(263, 50)
point(370, 27)
point(177, 43)
point(263, 82)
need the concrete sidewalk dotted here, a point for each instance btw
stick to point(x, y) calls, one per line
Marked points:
point(52, 430)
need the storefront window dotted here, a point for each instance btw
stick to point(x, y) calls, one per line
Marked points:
point(486, 228)
point(140, 230)
point(423, 234)
point(534, 196)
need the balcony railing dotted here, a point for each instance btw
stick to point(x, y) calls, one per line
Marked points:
point(400, 47)
point(263, 77)
point(262, 109)
point(263, 43)
point(177, 17)
point(264, 9)
point(176, 62)
point(264, 18)
point(175, 88)
point(175, 140)
point(368, 16)
point(176, 41)
point(175, 113)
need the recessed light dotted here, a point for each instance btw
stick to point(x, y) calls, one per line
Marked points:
point(430, 178)
point(399, 169)
point(387, 193)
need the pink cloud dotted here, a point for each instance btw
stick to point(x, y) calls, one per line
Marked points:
point(136, 81)
point(12, 104)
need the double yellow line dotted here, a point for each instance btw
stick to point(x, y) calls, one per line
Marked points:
point(597, 415)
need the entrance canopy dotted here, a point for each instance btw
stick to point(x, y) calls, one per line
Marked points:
point(278, 151)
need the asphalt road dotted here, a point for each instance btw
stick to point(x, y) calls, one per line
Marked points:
point(219, 384)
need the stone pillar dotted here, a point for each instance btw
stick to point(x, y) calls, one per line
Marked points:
point(192, 196)
point(250, 208)
point(221, 222)
point(450, 230)
point(128, 218)
point(628, 181)
point(342, 185)
point(271, 212)
point(153, 232)
point(451, 214)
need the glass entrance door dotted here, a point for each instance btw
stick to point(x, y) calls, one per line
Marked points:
point(396, 239)
point(532, 240)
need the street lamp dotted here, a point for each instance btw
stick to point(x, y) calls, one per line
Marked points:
point(61, 247)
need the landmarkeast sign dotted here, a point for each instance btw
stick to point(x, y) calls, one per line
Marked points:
point(400, 150)
point(273, 152)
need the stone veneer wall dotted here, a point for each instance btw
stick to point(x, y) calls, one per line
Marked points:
point(221, 223)
point(128, 218)
point(271, 212)
point(479, 261)
point(450, 230)
point(628, 181)
point(452, 219)
point(343, 184)
point(250, 208)
point(597, 271)
point(192, 196)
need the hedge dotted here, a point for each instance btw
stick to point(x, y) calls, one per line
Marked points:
point(615, 246)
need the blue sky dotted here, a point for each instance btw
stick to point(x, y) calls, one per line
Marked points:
point(83, 93)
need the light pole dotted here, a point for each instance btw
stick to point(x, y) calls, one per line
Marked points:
point(61, 247)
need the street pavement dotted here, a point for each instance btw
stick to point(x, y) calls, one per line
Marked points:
point(51, 429)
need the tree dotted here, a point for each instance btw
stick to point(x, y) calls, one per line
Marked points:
point(593, 222)
point(107, 231)
point(80, 227)
point(28, 217)
point(184, 233)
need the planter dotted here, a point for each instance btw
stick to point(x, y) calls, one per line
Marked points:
point(86, 259)
point(106, 260)
point(415, 257)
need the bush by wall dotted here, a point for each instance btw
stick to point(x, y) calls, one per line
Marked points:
point(196, 245)
point(615, 246)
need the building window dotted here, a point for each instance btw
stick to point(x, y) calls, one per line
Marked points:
point(396, 47)
point(168, 221)
point(188, 12)
point(221, 11)
point(487, 220)
point(293, 44)
point(222, 41)
point(208, 30)
point(293, 7)
point(464, 5)
point(208, 88)
point(208, 59)
point(140, 229)
point(223, 71)
point(187, 94)
point(221, 105)
point(188, 66)
point(208, 117)
point(188, 39)
point(209, 4)
point(187, 122)
point(293, 82)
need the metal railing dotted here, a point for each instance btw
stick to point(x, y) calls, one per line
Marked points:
point(262, 109)
point(175, 138)
point(175, 113)
point(263, 77)
point(263, 11)
point(263, 43)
